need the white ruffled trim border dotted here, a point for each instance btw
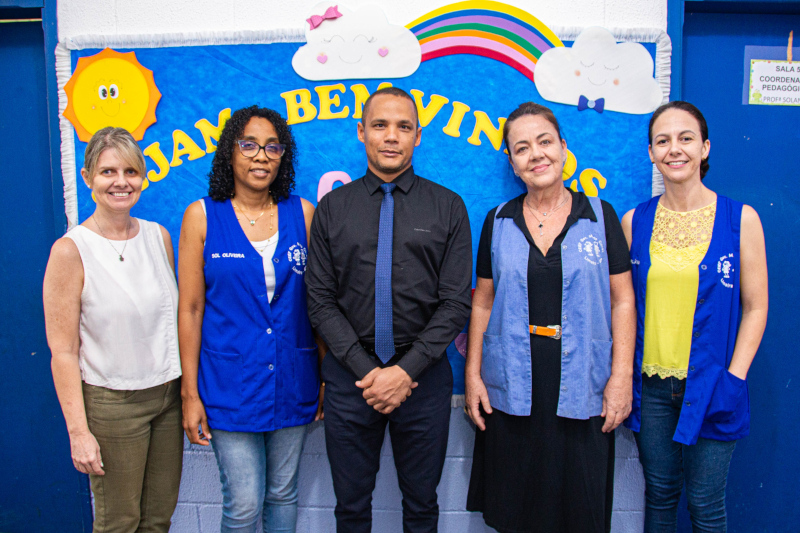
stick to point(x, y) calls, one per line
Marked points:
point(205, 38)
point(68, 170)
point(291, 35)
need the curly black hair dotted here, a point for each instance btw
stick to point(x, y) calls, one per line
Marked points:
point(220, 179)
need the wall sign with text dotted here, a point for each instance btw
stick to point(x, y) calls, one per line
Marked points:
point(774, 82)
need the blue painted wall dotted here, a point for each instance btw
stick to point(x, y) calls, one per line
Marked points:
point(754, 159)
point(40, 489)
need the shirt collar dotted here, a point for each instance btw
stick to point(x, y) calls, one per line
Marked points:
point(581, 207)
point(404, 181)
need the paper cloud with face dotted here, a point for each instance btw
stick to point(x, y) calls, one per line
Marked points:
point(359, 44)
point(596, 67)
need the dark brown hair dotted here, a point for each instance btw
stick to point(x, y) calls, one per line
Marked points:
point(698, 116)
point(391, 91)
point(530, 108)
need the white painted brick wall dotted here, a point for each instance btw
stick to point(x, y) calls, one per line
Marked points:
point(200, 503)
point(110, 17)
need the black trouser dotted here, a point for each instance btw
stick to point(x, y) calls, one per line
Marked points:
point(354, 435)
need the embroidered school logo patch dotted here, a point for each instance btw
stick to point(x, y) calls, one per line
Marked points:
point(592, 249)
point(297, 255)
point(725, 268)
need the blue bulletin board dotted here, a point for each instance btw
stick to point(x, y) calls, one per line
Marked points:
point(199, 85)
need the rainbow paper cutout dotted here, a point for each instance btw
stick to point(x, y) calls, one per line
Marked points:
point(485, 28)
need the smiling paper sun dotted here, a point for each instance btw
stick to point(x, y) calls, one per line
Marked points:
point(111, 89)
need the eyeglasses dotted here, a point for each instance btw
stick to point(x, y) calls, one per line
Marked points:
point(251, 149)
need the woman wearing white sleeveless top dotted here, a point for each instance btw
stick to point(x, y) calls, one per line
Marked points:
point(111, 300)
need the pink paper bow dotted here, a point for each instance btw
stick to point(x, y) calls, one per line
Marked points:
point(331, 13)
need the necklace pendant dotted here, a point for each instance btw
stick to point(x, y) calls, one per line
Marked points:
point(121, 258)
point(252, 222)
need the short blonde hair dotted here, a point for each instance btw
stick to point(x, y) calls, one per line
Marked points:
point(122, 142)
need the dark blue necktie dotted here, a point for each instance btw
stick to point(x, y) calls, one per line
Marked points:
point(384, 336)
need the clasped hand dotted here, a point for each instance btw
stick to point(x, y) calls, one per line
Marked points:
point(386, 388)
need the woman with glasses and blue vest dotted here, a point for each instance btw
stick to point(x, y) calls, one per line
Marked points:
point(699, 263)
point(545, 384)
point(250, 362)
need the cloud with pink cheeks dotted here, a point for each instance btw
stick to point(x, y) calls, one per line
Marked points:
point(595, 67)
point(359, 44)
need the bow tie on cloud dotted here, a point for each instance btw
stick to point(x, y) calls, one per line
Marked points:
point(584, 104)
point(330, 14)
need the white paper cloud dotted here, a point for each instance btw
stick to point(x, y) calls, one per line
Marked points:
point(597, 67)
point(359, 44)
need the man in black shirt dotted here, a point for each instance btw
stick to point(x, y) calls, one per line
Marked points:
point(389, 277)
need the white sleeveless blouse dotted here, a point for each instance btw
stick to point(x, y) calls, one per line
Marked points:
point(129, 310)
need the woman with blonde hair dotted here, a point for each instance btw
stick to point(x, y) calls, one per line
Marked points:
point(111, 302)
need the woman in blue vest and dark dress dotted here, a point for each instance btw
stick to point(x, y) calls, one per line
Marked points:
point(699, 262)
point(249, 358)
point(545, 385)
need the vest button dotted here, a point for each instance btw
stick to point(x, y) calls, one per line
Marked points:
point(269, 331)
point(696, 334)
point(566, 352)
point(566, 283)
point(564, 317)
point(688, 404)
point(703, 267)
point(275, 259)
point(564, 247)
point(702, 301)
point(275, 296)
point(563, 388)
point(691, 368)
point(270, 367)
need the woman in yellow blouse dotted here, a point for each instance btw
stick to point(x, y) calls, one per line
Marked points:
point(698, 260)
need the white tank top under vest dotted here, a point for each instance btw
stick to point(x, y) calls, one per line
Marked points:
point(129, 310)
point(266, 250)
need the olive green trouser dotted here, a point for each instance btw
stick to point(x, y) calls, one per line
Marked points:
point(141, 444)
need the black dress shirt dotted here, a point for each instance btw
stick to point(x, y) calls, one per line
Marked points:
point(431, 270)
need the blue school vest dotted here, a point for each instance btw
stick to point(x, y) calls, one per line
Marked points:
point(585, 320)
point(716, 404)
point(258, 360)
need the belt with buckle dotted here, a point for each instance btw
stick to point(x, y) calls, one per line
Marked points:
point(547, 331)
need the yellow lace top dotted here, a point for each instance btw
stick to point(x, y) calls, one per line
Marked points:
point(679, 242)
